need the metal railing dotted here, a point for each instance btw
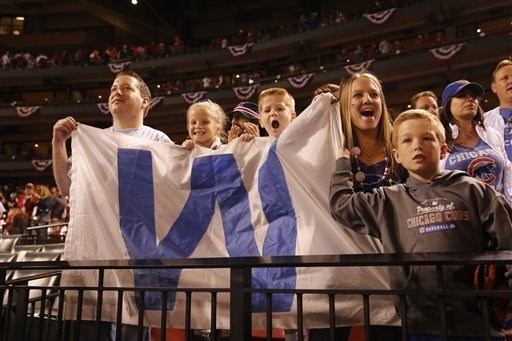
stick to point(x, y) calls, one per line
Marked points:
point(21, 311)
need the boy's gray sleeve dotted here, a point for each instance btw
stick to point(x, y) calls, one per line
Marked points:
point(499, 227)
point(361, 212)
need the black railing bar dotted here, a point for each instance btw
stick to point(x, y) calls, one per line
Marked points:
point(163, 316)
point(188, 312)
point(142, 309)
point(134, 289)
point(60, 315)
point(486, 317)
point(213, 316)
point(442, 302)
point(42, 318)
point(10, 298)
point(99, 304)
point(79, 314)
point(350, 260)
point(119, 313)
point(366, 312)
point(332, 317)
point(268, 299)
point(360, 292)
point(300, 318)
point(389, 292)
point(45, 226)
point(403, 312)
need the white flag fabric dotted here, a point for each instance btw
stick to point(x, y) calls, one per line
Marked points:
point(134, 199)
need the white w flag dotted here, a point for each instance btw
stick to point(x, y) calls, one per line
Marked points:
point(134, 199)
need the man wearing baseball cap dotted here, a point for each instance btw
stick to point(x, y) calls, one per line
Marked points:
point(244, 120)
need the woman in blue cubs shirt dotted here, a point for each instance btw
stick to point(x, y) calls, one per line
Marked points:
point(472, 147)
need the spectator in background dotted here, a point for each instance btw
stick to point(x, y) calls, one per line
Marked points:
point(440, 38)
point(6, 60)
point(244, 120)
point(18, 222)
point(31, 199)
point(206, 82)
point(385, 47)
point(426, 100)
point(57, 205)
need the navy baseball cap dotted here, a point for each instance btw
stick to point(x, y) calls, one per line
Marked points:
point(454, 88)
point(247, 109)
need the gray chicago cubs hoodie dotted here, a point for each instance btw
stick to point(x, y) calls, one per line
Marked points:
point(452, 213)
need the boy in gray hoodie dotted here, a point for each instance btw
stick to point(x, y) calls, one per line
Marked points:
point(434, 211)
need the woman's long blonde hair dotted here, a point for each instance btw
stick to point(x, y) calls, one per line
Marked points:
point(384, 126)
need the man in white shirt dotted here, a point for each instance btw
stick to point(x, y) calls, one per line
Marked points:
point(500, 118)
point(128, 103)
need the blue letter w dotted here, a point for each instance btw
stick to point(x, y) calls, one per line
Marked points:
point(214, 179)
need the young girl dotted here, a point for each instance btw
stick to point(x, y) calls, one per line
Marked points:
point(205, 125)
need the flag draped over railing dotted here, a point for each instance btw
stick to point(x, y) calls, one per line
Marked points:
point(134, 199)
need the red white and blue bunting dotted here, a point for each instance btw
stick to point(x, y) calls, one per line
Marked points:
point(238, 50)
point(154, 101)
point(300, 81)
point(41, 164)
point(361, 67)
point(118, 67)
point(380, 17)
point(446, 52)
point(245, 92)
point(103, 108)
point(193, 97)
point(27, 111)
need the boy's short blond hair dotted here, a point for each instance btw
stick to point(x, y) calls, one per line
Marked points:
point(422, 114)
point(289, 101)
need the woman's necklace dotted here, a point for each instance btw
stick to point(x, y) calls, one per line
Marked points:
point(467, 138)
point(360, 176)
point(369, 156)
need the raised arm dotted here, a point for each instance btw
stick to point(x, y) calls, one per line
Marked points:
point(360, 212)
point(61, 133)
